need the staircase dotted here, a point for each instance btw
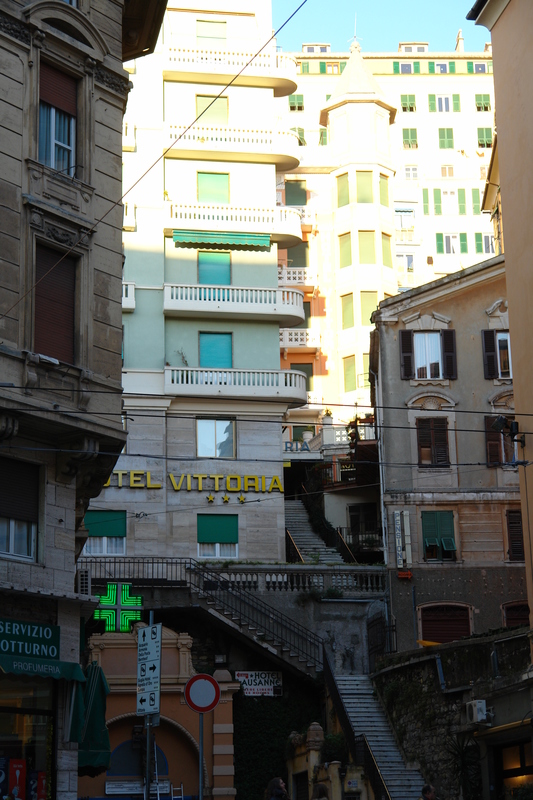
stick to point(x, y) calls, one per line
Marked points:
point(311, 547)
point(367, 718)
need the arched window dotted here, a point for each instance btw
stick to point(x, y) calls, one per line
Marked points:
point(444, 623)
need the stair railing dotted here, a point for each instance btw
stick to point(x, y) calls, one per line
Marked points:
point(292, 552)
point(358, 745)
point(333, 538)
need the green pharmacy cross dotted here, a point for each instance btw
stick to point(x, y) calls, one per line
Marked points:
point(118, 608)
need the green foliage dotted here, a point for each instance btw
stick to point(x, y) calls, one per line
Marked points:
point(523, 792)
point(334, 748)
point(464, 759)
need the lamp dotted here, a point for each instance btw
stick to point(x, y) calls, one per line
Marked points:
point(508, 428)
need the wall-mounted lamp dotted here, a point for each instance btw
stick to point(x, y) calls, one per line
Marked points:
point(508, 428)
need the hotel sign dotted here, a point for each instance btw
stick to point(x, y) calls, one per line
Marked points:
point(256, 684)
point(20, 638)
point(199, 482)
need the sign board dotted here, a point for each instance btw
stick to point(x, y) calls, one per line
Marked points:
point(24, 638)
point(256, 684)
point(149, 670)
point(398, 539)
point(135, 787)
point(202, 693)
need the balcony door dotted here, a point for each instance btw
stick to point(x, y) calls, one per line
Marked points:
point(216, 350)
point(214, 269)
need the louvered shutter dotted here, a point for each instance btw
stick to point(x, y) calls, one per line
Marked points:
point(492, 443)
point(516, 615)
point(216, 350)
point(406, 355)
point(57, 89)
point(449, 356)
point(440, 456)
point(19, 498)
point(53, 332)
point(445, 623)
point(423, 435)
point(490, 364)
point(514, 532)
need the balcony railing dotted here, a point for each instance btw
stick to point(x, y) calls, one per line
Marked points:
point(297, 276)
point(299, 339)
point(287, 386)
point(405, 234)
point(128, 296)
point(274, 305)
point(269, 147)
point(281, 223)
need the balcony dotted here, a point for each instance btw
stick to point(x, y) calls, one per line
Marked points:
point(405, 234)
point(299, 340)
point(269, 69)
point(303, 277)
point(283, 386)
point(233, 144)
point(284, 306)
point(281, 223)
point(128, 296)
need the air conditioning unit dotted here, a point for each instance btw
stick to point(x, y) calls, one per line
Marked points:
point(476, 711)
point(83, 581)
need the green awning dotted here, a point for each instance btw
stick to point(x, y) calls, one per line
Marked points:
point(94, 750)
point(41, 668)
point(221, 240)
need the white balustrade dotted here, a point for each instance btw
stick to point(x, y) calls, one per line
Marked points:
point(278, 146)
point(299, 338)
point(287, 385)
point(270, 66)
point(274, 304)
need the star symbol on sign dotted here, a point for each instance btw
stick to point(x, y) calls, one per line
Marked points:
point(225, 499)
point(210, 498)
point(242, 498)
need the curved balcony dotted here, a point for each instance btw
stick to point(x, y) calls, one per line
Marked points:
point(284, 386)
point(272, 70)
point(281, 223)
point(299, 340)
point(284, 306)
point(233, 144)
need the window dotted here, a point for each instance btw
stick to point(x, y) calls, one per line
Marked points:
point(345, 250)
point(367, 247)
point(349, 373)
point(306, 322)
point(384, 190)
point(215, 438)
point(364, 187)
point(304, 67)
point(515, 615)
point(296, 102)
point(408, 102)
point(438, 533)
point(425, 201)
point(440, 102)
point(295, 193)
point(441, 68)
point(213, 187)
point(497, 361)
point(411, 172)
point(479, 67)
point(343, 190)
point(299, 255)
point(300, 133)
point(214, 268)
point(217, 535)
point(482, 102)
point(57, 120)
point(366, 373)
point(216, 350)
point(307, 369)
point(322, 136)
point(449, 201)
point(444, 623)
point(19, 509)
point(461, 198)
point(451, 243)
point(446, 171)
point(437, 202)
point(483, 173)
point(107, 533)
point(405, 261)
point(54, 305)
point(406, 69)
point(476, 202)
point(427, 356)
point(446, 138)
point(386, 250)
point(210, 33)
point(214, 109)
point(514, 534)
point(432, 440)
point(410, 140)
point(369, 303)
point(347, 311)
point(484, 243)
point(404, 218)
point(484, 137)
point(500, 447)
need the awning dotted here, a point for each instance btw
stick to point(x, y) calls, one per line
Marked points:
point(41, 668)
point(94, 751)
point(221, 240)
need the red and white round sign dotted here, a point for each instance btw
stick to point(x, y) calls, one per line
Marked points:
point(202, 693)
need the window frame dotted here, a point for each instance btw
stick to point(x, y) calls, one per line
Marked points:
point(484, 138)
point(441, 543)
point(58, 92)
point(408, 103)
point(20, 504)
point(483, 102)
point(296, 102)
point(215, 420)
point(500, 449)
point(515, 534)
point(348, 366)
point(448, 355)
point(410, 176)
point(217, 545)
point(491, 357)
point(410, 138)
point(446, 139)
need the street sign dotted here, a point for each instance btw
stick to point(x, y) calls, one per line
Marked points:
point(149, 670)
point(202, 693)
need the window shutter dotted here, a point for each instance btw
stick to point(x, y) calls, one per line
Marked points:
point(423, 437)
point(57, 89)
point(105, 523)
point(213, 187)
point(514, 531)
point(437, 202)
point(445, 524)
point(416, 67)
point(53, 333)
point(476, 208)
point(492, 443)
point(386, 250)
point(322, 68)
point(19, 498)
point(442, 138)
point(345, 250)
point(343, 191)
point(432, 100)
point(367, 247)
point(452, 67)
point(214, 268)
point(445, 623)
point(216, 350)
point(425, 200)
point(214, 110)
point(479, 102)
point(461, 196)
point(490, 363)
point(440, 441)
point(429, 522)
point(470, 67)
point(479, 242)
point(449, 356)
point(463, 244)
point(406, 355)
point(383, 190)
point(396, 67)
point(217, 528)
point(342, 66)
point(431, 67)
point(440, 243)
point(349, 374)
point(456, 102)
point(347, 311)
point(364, 187)
point(296, 193)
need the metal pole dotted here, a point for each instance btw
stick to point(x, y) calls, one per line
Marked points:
point(148, 723)
point(201, 758)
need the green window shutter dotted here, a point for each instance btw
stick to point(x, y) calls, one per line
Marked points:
point(416, 67)
point(409, 138)
point(432, 102)
point(406, 137)
point(461, 196)
point(349, 373)
point(323, 136)
point(292, 102)
point(347, 311)
point(446, 138)
point(440, 243)
point(479, 102)
point(295, 193)
point(396, 67)
point(489, 67)
point(470, 67)
point(425, 201)
point(386, 249)
point(476, 203)
point(216, 350)
point(369, 303)
point(445, 524)
point(205, 29)
point(479, 242)
point(342, 66)
point(412, 102)
point(429, 524)
point(437, 202)
point(215, 114)
point(442, 138)
point(456, 102)
point(300, 255)
point(217, 528)
point(449, 138)
point(308, 370)
point(327, 97)
point(364, 187)
point(404, 101)
point(431, 67)
point(105, 523)
point(213, 187)
point(322, 68)
point(452, 67)
point(343, 191)
point(383, 190)
point(345, 250)
point(214, 268)
point(367, 247)
point(463, 246)
point(305, 67)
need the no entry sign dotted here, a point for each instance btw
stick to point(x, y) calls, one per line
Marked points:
point(202, 693)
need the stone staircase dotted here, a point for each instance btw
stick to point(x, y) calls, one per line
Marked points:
point(309, 543)
point(367, 717)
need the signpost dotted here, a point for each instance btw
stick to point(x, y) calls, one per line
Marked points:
point(149, 683)
point(202, 694)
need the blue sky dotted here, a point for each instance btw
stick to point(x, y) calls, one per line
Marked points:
point(381, 24)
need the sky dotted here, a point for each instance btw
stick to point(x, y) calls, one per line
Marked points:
point(381, 24)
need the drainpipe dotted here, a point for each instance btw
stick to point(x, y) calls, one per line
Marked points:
point(384, 524)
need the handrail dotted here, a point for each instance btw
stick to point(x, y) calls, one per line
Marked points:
point(344, 550)
point(333, 538)
point(291, 548)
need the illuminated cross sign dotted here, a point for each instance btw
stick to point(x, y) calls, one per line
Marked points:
point(118, 608)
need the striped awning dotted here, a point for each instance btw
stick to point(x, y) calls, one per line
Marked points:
point(221, 240)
